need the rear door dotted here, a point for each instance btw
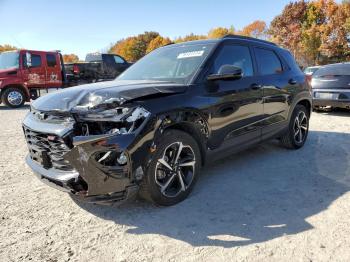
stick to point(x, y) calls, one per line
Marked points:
point(276, 87)
point(35, 75)
point(53, 76)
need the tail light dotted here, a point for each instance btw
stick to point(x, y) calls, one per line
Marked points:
point(76, 69)
point(309, 78)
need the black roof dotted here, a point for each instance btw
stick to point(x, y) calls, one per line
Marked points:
point(248, 38)
point(217, 40)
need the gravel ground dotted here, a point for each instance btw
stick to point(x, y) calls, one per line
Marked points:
point(264, 204)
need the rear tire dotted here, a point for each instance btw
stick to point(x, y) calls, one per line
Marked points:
point(298, 129)
point(171, 175)
point(13, 97)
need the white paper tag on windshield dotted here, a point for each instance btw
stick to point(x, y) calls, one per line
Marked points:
point(190, 54)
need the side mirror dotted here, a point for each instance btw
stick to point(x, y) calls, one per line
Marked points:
point(227, 72)
point(28, 60)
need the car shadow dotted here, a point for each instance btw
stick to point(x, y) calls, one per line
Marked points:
point(335, 112)
point(251, 197)
point(6, 108)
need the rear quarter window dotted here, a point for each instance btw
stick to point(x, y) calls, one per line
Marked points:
point(290, 60)
point(268, 61)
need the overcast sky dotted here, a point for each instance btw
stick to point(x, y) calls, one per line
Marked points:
point(86, 26)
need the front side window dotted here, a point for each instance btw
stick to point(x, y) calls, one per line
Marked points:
point(51, 60)
point(36, 60)
point(9, 60)
point(235, 55)
point(268, 62)
point(173, 63)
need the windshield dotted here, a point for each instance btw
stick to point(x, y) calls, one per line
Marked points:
point(9, 60)
point(310, 70)
point(176, 63)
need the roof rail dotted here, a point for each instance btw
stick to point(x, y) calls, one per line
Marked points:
point(249, 38)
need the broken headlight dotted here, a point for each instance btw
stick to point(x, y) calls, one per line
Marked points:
point(120, 120)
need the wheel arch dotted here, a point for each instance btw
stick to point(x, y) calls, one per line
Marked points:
point(307, 104)
point(304, 99)
point(21, 87)
point(190, 122)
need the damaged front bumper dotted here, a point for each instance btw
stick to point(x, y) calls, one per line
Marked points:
point(64, 181)
point(88, 169)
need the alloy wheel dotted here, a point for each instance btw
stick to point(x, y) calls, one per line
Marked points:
point(300, 127)
point(15, 98)
point(175, 171)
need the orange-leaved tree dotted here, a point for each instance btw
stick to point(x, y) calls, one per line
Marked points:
point(70, 58)
point(219, 32)
point(134, 47)
point(157, 42)
point(257, 29)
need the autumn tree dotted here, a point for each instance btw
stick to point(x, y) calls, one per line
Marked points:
point(135, 47)
point(70, 58)
point(157, 42)
point(286, 28)
point(6, 47)
point(335, 42)
point(190, 37)
point(220, 32)
point(317, 32)
point(257, 29)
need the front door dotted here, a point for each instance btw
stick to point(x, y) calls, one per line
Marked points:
point(35, 74)
point(236, 105)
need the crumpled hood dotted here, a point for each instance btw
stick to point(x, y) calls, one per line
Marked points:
point(91, 95)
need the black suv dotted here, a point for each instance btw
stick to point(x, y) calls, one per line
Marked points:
point(152, 129)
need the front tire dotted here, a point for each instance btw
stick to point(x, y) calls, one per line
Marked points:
point(173, 170)
point(298, 129)
point(13, 97)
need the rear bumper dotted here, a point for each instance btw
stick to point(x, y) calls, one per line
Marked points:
point(337, 98)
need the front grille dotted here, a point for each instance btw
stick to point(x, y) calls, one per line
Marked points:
point(47, 149)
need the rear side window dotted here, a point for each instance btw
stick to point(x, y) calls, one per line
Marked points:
point(288, 57)
point(235, 55)
point(118, 60)
point(36, 60)
point(333, 70)
point(51, 60)
point(268, 61)
point(94, 57)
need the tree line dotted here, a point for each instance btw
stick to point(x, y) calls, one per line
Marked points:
point(316, 32)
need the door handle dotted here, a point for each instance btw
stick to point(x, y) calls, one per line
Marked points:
point(255, 86)
point(292, 81)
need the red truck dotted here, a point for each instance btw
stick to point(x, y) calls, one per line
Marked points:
point(23, 73)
